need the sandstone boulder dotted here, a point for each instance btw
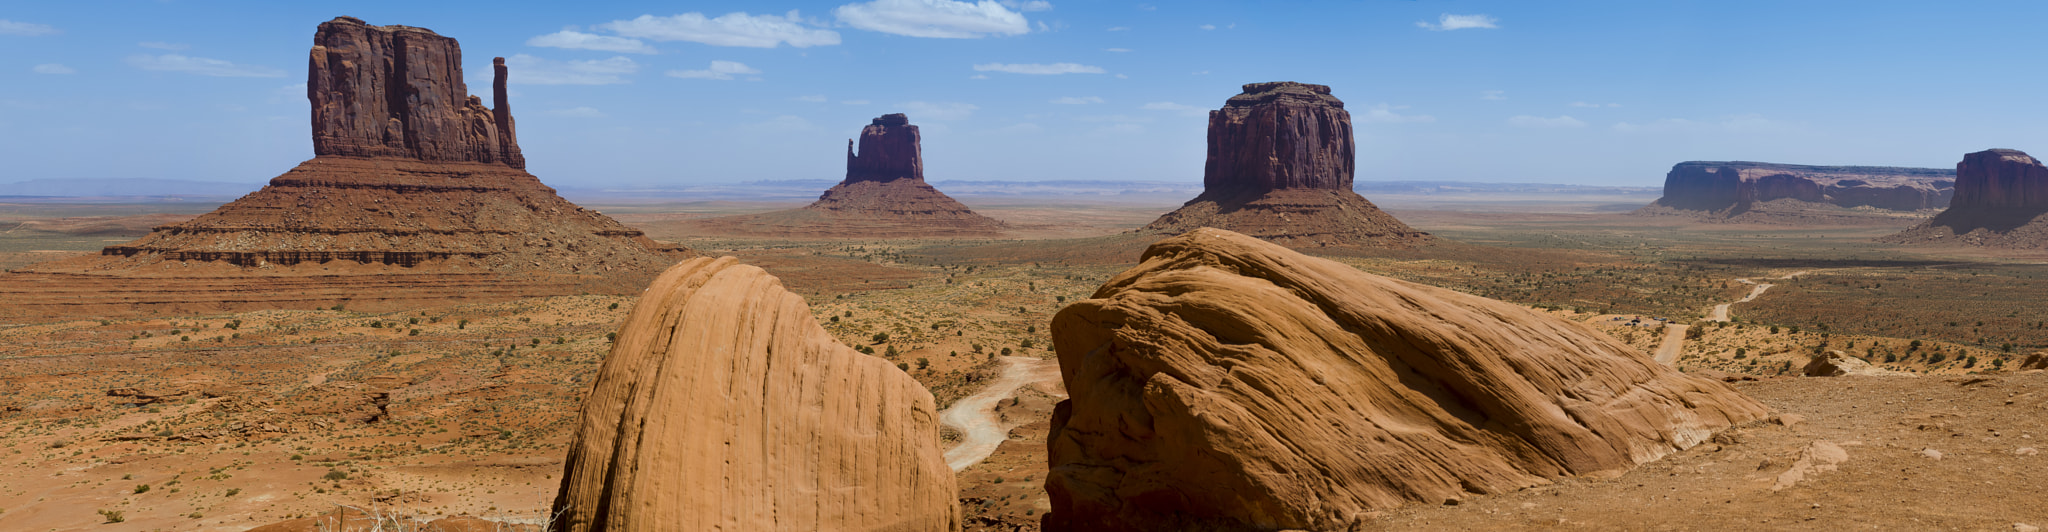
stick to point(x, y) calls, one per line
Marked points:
point(2001, 201)
point(725, 406)
point(1280, 168)
point(1228, 383)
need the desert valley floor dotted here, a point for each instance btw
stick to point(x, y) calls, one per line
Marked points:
point(232, 421)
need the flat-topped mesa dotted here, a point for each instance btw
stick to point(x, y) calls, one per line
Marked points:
point(2001, 179)
point(1280, 135)
point(889, 150)
point(397, 91)
point(1733, 187)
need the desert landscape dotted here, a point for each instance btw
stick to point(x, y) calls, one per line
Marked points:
point(422, 327)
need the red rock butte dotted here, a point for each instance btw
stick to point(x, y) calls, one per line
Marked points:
point(2001, 201)
point(884, 195)
point(1728, 189)
point(1280, 167)
point(417, 194)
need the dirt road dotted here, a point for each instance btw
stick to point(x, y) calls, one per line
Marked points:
point(981, 430)
point(1674, 334)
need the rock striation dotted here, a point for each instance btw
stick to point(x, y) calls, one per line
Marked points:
point(1728, 189)
point(725, 406)
point(1226, 383)
point(1280, 167)
point(884, 194)
point(411, 178)
point(2001, 200)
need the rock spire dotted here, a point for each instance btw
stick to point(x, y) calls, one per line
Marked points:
point(397, 91)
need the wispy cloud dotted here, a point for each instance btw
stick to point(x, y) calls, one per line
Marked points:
point(1493, 95)
point(53, 68)
point(855, 102)
point(576, 40)
point(1594, 105)
point(1077, 100)
point(942, 19)
point(815, 98)
point(1562, 121)
point(1387, 114)
point(1035, 68)
point(1119, 28)
point(1206, 27)
point(1028, 6)
point(939, 111)
point(731, 29)
point(201, 66)
point(27, 29)
point(1117, 50)
point(1449, 22)
point(722, 70)
point(530, 70)
point(1182, 109)
point(160, 45)
point(577, 112)
point(1742, 123)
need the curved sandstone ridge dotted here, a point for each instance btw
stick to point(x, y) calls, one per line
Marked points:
point(1227, 383)
point(724, 406)
point(1728, 189)
point(1280, 168)
point(2001, 201)
point(883, 195)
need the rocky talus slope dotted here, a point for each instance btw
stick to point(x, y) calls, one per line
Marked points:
point(1227, 383)
point(883, 195)
point(1280, 168)
point(725, 406)
point(2001, 202)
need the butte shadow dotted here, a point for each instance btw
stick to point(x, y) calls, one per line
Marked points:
point(417, 194)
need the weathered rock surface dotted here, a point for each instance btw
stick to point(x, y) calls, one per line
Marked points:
point(397, 91)
point(1280, 168)
point(1728, 189)
point(884, 195)
point(724, 406)
point(414, 183)
point(1227, 383)
point(2001, 201)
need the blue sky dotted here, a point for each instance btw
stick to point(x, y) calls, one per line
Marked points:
point(687, 93)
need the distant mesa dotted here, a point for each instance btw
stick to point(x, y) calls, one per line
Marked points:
point(1715, 189)
point(725, 406)
point(1227, 383)
point(884, 195)
point(416, 193)
point(2001, 201)
point(1281, 160)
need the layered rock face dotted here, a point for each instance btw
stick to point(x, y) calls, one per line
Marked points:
point(1280, 167)
point(884, 195)
point(724, 406)
point(397, 91)
point(1226, 383)
point(1733, 188)
point(412, 176)
point(2001, 200)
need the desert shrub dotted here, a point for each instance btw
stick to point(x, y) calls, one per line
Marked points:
point(903, 366)
point(615, 306)
point(923, 363)
point(1006, 351)
point(1937, 358)
point(464, 324)
point(1774, 329)
point(141, 489)
point(112, 516)
point(1025, 344)
point(559, 340)
point(335, 474)
point(611, 337)
point(414, 332)
point(881, 337)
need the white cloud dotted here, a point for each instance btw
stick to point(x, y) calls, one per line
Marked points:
point(1546, 122)
point(1594, 105)
point(53, 68)
point(1033, 68)
point(575, 40)
point(1028, 6)
point(1208, 26)
point(816, 98)
point(1449, 22)
point(1119, 28)
point(731, 29)
point(1117, 50)
point(1385, 114)
point(1493, 95)
point(855, 102)
point(939, 111)
point(160, 45)
point(201, 66)
point(942, 19)
point(779, 124)
point(1077, 100)
point(1182, 109)
point(719, 70)
point(530, 70)
point(978, 76)
point(576, 112)
point(26, 29)
point(1743, 123)
point(1200, 73)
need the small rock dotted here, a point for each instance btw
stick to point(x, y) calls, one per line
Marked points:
point(1931, 453)
point(2025, 451)
point(1788, 420)
point(2023, 527)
